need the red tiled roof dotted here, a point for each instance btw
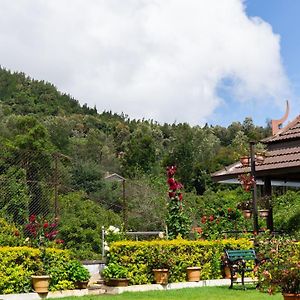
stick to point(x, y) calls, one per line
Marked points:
point(291, 131)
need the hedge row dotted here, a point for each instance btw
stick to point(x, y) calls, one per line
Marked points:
point(141, 257)
point(17, 264)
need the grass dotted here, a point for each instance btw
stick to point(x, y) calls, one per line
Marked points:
point(207, 293)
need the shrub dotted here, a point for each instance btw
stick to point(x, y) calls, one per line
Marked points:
point(17, 264)
point(139, 258)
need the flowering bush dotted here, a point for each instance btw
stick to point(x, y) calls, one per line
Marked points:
point(280, 267)
point(223, 220)
point(178, 222)
point(112, 234)
point(40, 232)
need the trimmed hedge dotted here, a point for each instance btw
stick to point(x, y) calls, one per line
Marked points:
point(141, 257)
point(17, 264)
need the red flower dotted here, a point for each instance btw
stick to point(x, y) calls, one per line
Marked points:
point(17, 233)
point(171, 171)
point(180, 197)
point(172, 194)
point(46, 225)
point(32, 218)
point(59, 241)
point(171, 181)
point(211, 218)
point(203, 219)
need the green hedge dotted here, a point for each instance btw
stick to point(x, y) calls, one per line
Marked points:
point(141, 257)
point(17, 264)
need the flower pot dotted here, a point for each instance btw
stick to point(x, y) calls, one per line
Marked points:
point(81, 284)
point(263, 213)
point(193, 274)
point(118, 282)
point(260, 157)
point(247, 213)
point(161, 276)
point(245, 161)
point(291, 296)
point(41, 283)
point(228, 274)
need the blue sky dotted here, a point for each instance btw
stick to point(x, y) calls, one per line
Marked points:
point(283, 16)
point(208, 61)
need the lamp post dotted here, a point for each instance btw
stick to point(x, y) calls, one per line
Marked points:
point(254, 190)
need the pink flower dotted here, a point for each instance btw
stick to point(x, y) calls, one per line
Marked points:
point(211, 218)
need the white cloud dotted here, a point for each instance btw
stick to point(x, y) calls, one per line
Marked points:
point(148, 58)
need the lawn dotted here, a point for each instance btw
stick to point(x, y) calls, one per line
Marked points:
point(207, 293)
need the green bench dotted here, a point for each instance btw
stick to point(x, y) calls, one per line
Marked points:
point(237, 260)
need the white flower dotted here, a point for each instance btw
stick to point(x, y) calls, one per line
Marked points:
point(106, 248)
point(111, 228)
point(117, 230)
point(161, 235)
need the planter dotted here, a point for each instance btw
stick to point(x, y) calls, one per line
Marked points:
point(161, 276)
point(81, 284)
point(193, 274)
point(118, 282)
point(227, 273)
point(263, 213)
point(245, 161)
point(41, 283)
point(260, 157)
point(291, 296)
point(247, 213)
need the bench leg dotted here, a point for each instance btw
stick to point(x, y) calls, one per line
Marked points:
point(231, 278)
point(243, 278)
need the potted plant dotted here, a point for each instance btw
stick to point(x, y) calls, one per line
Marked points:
point(260, 152)
point(193, 274)
point(78, 274)
point(225, 268)
point(161, 265)
point(115, 275)
point(246, 207)
point(39, 234)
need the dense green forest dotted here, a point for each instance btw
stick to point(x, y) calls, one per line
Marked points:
point(51, 147)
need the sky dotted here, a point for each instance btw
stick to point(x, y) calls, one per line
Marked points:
point(194, 61)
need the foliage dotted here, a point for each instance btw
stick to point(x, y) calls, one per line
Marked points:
point(287, 213)
point(9, 234)
point(81, 224)
point(17, 264)
point(139, 258)
point(113, 270)
point(280, 267)
point(77, 271)
point(177, 221)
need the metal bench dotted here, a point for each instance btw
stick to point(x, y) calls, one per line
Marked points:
point(237, 263)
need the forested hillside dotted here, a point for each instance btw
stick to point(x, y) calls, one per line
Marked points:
point(51, 147)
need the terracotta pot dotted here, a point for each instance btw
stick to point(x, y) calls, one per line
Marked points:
point(245, 161)
point(228, 274)
point(81, 284)
point(41, 283)
point(247, 213)
point(161, 276)
point(259, 158)
point(291, 296)
point(193, 274)
point(263, 213)
point(118, 282)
